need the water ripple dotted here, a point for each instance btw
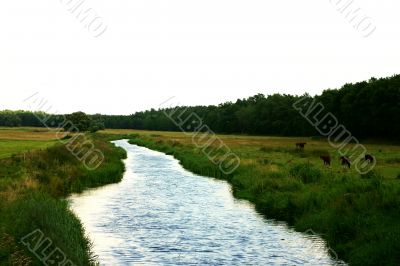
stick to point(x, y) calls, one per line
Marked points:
point(161, 214)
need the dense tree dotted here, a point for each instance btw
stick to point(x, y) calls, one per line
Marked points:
point(79, 121)
point(10, 119)
point(367, 109)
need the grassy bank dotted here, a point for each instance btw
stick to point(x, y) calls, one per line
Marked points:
point(357, 214)
point(32, 187)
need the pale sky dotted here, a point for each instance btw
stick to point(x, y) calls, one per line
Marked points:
point(202, 52)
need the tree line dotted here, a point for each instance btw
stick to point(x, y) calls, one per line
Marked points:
point(367, 109)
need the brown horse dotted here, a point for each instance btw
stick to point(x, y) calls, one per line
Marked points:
point(326, 159)
point(300, 145)
point(345, 161)
point(369, 158)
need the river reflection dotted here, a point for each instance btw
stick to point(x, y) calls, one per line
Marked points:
point(161, 214)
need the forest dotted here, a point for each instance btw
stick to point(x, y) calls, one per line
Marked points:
point(368, 109)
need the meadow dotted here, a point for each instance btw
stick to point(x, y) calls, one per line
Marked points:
point(357, 214)
point(281, 150)
point(20, 140)
point(34, 180)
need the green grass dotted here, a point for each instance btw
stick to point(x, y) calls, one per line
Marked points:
point(24, 139)
point(10, 147)
point(32, 188)
point(357, 214)
point(38, 210)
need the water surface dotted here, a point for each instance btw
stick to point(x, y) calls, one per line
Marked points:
point(161, 214)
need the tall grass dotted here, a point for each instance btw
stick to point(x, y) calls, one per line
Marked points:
point(32, 188)
point(38, 210)
point(357, 215)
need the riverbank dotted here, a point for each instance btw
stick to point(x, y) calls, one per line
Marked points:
point(357, 214)
point(162, 214)
point(33, 186)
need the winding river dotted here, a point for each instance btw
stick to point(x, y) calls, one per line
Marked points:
point(161, 214)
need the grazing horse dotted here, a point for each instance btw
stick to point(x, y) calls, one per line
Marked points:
point(326, 159)
point(345, 161)
point(369, 158)
point(300, 145)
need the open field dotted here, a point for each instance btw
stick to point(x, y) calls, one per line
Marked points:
point(19, 140)
point(28, 133)
point(357, 214)
point(10, 147)
point(281, 151)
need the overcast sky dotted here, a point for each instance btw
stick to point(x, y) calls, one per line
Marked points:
point(202, 52)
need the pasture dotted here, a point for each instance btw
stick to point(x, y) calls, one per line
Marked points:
point(356, 213)
point(20, 140)
point(281, 152)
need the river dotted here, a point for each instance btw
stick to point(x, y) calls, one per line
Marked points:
point(161, 214)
